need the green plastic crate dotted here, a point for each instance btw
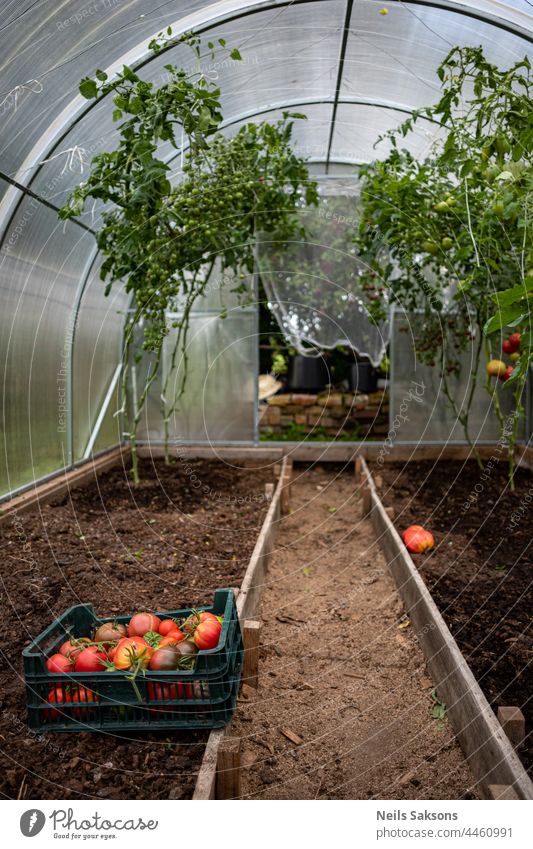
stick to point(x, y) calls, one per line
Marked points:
point(181, 699)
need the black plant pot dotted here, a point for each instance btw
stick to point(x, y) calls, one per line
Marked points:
point(308, 374)
point(363, 377)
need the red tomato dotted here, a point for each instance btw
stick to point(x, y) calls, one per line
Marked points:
point(161, 692)
point(165, 658)
point(158, 692)
point(417, 539)
point(190, 624)
point(167, 625)
point(207, 634)
point(508, 372)
point(109, 633)
point(59, 663)
point(141, 623)
point(90, 659)
point(130, 653)
point(57, 695)
point(171, 639)
point(515, 339)
point(73, 647)
point(140, 641)
point(83, 696)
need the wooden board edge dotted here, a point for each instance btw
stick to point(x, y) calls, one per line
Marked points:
point(212, 452)
point(247, 606)
point(326, 452)
point(494, 760)
point(205, 786)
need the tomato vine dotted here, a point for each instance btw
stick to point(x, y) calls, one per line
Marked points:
point(451, 234)
point(162, 236)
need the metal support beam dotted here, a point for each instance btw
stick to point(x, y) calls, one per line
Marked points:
point(103, 410)
point(27, 191)
point(82, 285)
point(340, 69)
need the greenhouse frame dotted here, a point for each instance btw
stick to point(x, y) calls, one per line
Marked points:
point(266, 344)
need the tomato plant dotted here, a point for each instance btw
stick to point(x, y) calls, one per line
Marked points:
point(451, 233)
point(162, 238)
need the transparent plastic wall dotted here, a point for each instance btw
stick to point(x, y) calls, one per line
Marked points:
point(97, 357)
point(419, 409)
point(41, 264)
point(219, 402)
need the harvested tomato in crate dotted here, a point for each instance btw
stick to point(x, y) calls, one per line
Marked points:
point(124, 674)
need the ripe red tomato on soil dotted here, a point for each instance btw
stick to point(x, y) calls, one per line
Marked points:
point(417, 539)
point(59, 664)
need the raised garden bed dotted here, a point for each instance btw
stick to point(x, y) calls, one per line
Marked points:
point(168, 542)
point(479, 574)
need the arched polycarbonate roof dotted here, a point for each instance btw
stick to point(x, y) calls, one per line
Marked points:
point(353, 70)
point(356, 68)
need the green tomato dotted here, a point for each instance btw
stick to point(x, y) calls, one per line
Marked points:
point(447, 243)
point(486, 151)
point(430, 247)
point(442, 206)
point(501, 145)
point(498, 209)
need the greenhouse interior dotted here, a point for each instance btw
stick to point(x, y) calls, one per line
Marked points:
point(265, 335)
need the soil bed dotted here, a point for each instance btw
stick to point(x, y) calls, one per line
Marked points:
point(344, 704)
point(480, 570)
point(167, 543)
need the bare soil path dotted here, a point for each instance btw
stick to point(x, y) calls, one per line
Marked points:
point(341, 671)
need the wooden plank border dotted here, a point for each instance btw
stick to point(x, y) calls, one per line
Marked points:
point(323, 452)
point(248, 599)
point(63, 482)
point(491, 756)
